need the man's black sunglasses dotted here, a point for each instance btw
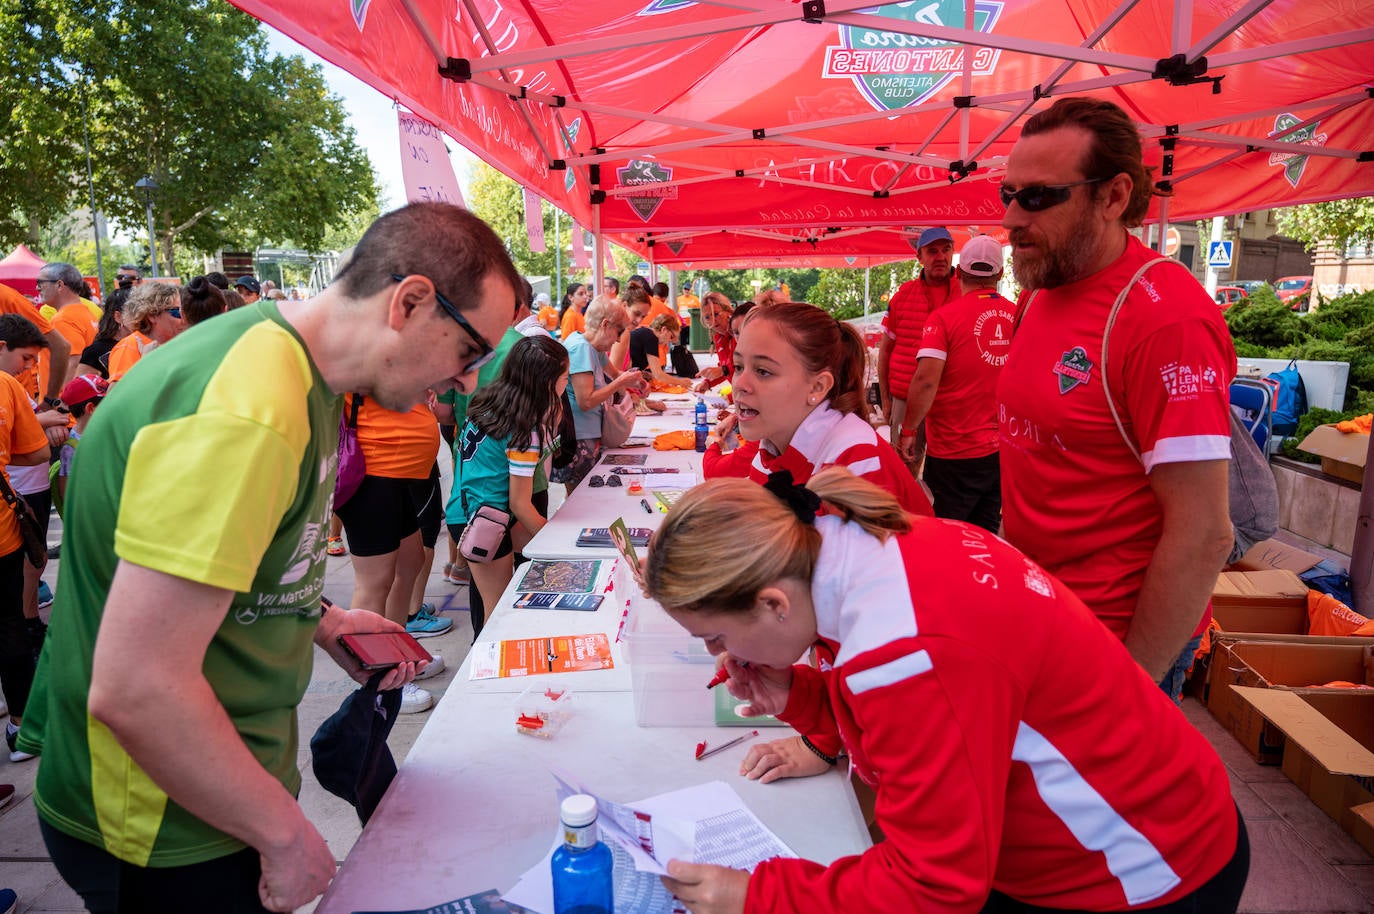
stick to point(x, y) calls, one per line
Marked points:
point(485, 352)
point(1039, 197)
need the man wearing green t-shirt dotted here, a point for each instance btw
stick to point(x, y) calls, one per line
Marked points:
point(194, 560)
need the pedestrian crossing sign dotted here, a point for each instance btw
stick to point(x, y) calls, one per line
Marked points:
point(1219, 254)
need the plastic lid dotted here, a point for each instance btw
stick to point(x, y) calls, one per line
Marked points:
point(578, 810)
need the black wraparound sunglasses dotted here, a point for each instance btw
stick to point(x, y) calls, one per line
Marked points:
point(1039, 197)
point(485, 351)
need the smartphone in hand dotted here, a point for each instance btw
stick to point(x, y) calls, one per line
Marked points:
point(383, 650)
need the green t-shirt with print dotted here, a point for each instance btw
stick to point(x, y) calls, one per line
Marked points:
point(212, 460)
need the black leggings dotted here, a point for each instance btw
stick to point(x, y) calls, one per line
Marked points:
point(1218, 895)
point(108, 885)
point(16, 649)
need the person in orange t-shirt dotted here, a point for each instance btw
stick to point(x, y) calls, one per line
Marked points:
point(22, 443)
point(153, 316)
point(37, 378)
point(395, 514)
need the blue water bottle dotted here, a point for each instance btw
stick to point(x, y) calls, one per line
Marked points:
point(702, 430)
point(582, 866)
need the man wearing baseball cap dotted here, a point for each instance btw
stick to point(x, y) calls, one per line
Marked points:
point(249, 287)
point(902, 327)
point(954, 390)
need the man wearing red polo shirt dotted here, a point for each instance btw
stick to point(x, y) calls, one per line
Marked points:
point(903, 325)
point(963, 349)
point(1139, 538)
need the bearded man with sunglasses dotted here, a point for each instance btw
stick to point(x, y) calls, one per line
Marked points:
point(197, 518)
point(1114, 435)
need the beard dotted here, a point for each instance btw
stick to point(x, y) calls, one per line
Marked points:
point(1050, 267)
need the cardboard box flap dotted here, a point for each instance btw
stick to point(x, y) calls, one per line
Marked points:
point(1329, 441)
point(1273, 554)
point(1277, 583)
point(1333, 748)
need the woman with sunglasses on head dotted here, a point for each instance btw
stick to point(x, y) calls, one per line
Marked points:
point(1023, 762)
point(511, 428)
point(153, 317)
point(591, 385)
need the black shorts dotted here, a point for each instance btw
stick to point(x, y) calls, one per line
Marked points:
point(383, 512)
point(431, 514)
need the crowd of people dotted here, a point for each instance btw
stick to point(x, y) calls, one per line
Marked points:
point(1008, 705)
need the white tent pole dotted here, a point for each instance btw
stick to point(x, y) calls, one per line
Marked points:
point(599, 255)
point(1163, 223)
point(868, 274)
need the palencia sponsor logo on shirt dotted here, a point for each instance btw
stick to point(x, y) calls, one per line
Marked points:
point(1074, 368)
point(1187, 382)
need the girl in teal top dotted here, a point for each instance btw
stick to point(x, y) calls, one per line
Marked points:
point(511, 427)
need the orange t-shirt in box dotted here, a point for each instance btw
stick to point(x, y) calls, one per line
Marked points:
point(396, 445)
point(20, 433)
point(574, 321)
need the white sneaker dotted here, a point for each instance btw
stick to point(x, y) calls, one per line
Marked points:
point(436, 666)
point(415, 699)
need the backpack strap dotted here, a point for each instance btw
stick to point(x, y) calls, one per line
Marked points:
point(353, 410)
point(1106, 336)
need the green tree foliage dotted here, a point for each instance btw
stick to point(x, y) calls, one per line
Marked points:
point(247, 147)
point(1342, 330)
point(841, 292)
point(1342, 222)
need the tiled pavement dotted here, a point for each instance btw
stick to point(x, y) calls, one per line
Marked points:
point(1302, 862)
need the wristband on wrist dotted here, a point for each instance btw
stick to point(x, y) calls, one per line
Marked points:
point(908, 432)
point(828, 759)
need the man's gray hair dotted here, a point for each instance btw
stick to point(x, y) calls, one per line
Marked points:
point(68, 275)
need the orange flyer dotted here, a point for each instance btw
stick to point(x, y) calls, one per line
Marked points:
point(533, 656)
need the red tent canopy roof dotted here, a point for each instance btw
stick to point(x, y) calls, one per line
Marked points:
point(648, 118)
point(20, 269)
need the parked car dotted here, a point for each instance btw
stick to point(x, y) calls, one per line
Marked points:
point(1227, 296)
point(1295, 290)
point(1249, 285)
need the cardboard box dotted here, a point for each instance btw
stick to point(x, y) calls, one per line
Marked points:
point(1342, 455)
point(1298, 666)
point(1328, 750)
point(1271, 554)
point(1272, 601)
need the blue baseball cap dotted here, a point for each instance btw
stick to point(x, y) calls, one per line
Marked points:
point(932, 235)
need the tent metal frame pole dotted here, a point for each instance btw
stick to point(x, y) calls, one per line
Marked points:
point(1362, 550)
point(1163, 225)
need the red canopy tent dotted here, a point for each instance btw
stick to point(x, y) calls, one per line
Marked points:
point(819, 126)
point(20, 269)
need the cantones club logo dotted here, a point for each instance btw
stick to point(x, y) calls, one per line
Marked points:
point(1073, 369)
point(639, 171)
point(894, 70)
point(1295, 163)
point(569, 138)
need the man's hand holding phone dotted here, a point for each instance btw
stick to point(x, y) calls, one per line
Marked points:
point(339, 621)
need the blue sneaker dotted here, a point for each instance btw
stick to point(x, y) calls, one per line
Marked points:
point(425, 624)
point(9, 901)
point(44, 600)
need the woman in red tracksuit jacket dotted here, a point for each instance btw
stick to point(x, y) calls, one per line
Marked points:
point(1023, 762)
point(798, 393)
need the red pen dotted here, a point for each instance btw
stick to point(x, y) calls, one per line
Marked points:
point(722, 674)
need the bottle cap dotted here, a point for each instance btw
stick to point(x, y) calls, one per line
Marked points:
point(578, 810)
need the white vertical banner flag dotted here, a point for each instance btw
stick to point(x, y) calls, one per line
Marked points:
point(425, 167)
point(534, 221)
point(579, 248)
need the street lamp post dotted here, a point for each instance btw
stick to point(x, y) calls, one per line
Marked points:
point(149, 186)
